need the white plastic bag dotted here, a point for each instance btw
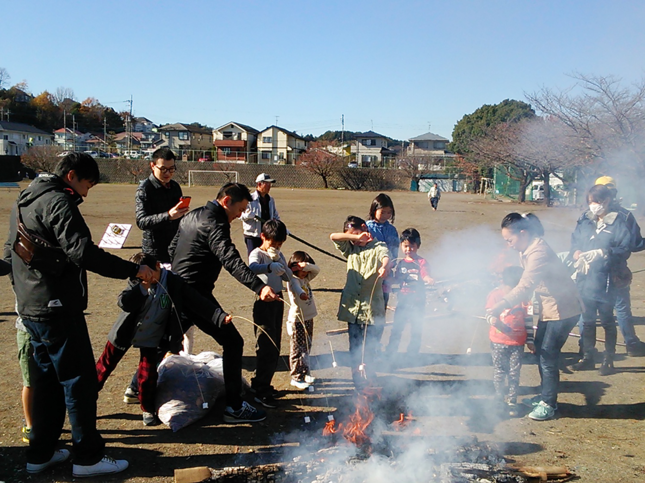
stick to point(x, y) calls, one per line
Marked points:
point(187, 387)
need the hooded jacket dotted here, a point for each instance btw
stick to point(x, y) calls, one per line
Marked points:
point(132, 300)
point(203, 245)
point(49, 209)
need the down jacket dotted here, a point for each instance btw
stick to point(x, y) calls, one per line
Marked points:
point(152, 203)
point(49, 208)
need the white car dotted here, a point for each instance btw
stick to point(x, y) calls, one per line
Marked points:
point(63, 154)
point(94, 154)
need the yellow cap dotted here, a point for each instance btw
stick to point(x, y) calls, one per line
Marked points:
point(608, 181)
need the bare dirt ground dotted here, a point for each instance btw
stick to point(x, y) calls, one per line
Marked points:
point(598, 431)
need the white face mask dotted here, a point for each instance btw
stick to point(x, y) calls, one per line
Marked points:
point(596, 208)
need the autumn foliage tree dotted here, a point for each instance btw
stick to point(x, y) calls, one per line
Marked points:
point(323, 159)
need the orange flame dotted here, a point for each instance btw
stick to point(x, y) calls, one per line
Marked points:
point(330, 428)
point(354, 430)
point(402, 422)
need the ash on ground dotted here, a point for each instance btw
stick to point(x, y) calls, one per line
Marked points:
point(457, 461)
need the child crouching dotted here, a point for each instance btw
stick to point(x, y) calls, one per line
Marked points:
point(507, 336)
point(300, 322)
point(150, 321)
point(361, 303)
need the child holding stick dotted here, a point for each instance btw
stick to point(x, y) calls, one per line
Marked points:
point(507, 335)
point(361, 304)
point(270, 265)
point(300, 322)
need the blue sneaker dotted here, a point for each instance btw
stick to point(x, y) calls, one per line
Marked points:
point(542, 412)
point(246, 414)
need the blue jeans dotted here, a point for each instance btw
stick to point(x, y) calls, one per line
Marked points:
point(64, 377)
point(623, 307)
point(549, 339)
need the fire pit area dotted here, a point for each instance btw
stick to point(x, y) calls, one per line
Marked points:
point(471, 461)
point(360, 447)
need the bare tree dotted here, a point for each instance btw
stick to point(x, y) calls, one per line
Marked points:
point(322, 158)
point(607, 121)
point(61, 94)
point(41, 158)
point(4, 77)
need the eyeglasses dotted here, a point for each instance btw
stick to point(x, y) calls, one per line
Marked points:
point(165, 170)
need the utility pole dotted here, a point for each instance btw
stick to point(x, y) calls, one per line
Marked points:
point(128, 126)
point(105, 132)
point(342, 132)
point(74, 131)
point(65, 130)
point(276, 120)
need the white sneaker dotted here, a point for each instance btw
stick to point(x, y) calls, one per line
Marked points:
point(310, 379)
point(300, 384)
point(106, 466)
point(59, 456)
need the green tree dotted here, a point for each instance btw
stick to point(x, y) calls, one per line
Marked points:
point(476, 124)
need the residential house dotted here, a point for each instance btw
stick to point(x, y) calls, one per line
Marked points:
point(16, 138)
point(182, 138)
point(71, 139)
point(276, 145)
point(126, 141)
point(371, 150)
point(427, 144)
point(235, 142)
point(143, 124)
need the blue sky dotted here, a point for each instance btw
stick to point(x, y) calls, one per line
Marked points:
point(394, 67)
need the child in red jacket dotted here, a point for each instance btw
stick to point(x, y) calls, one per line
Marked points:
point(508, 334)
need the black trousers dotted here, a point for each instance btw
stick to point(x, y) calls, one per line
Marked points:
point(268, 316)
point(232, 347)
point(64, 378)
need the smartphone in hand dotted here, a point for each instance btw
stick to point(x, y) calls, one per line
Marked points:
point(184, 202)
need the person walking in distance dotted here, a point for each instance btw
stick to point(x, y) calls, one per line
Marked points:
point(260, 210)
point(51, 249)
point(434, 195)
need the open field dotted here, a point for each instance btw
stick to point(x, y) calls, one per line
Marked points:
point(598, 432)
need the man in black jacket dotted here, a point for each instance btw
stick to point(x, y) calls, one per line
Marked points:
point(51, 294)
point(200, 249)
point(157, 206)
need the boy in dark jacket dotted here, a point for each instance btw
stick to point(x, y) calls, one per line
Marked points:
point(150, 321)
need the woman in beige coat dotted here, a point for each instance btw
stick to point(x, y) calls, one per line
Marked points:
point(558, 303)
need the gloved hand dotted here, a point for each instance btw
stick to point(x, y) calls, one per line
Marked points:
point(491, 319)
point(581, 265)
point(592, 255)
point(276, 268)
